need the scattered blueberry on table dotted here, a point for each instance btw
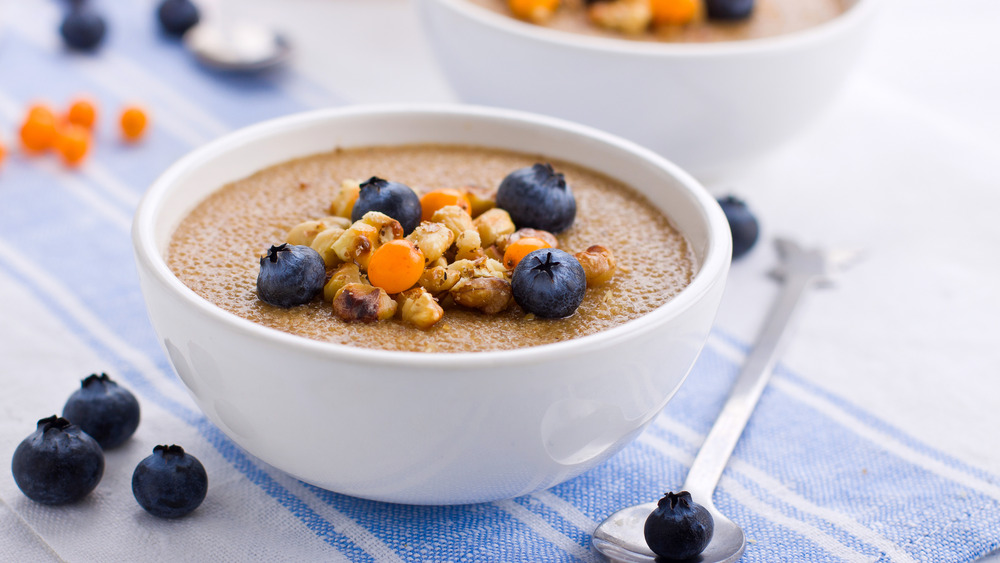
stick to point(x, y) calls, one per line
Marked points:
point(742, 223)
point(106, 411)
point(538, 197)
point(82, 28)
point(177, 16)
point(549, 283)
point(170, 483)
point(394, 199)
point(678, 528)
point(290, 275)
point(731, 10)
point(58, 463)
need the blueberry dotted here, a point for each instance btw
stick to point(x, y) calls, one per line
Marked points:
point(105, 411)
point(392, 198)
point(170, 483)
point(82, 28)
point(742, 223)
point(58, 463)
point(728, 9)
point(177, 16)
point(678, 528)
point(549, 283)
point(537, 197)
point(290, 275)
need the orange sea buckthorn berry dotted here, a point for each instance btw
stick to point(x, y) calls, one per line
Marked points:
point(3, 151)
point(133, 123)
point(396, 266)
point(521, 248)
point(537, 11)
point(38, 132)
point(432, 201)
point(674, 12)
point(82, 112)
point(73, 143)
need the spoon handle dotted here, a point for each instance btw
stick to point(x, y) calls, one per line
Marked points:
point(707, 468)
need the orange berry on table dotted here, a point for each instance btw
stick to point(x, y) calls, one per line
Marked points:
point(3, 151)
point(396, 266)
point(73, 143)
point(537, 11)
point(38, 132)
point(82, 112)
point(133, 122)
point(432, 201)
point(521, 248)
point(674, 12)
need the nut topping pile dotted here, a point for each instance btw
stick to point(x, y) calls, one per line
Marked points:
point(388, 252)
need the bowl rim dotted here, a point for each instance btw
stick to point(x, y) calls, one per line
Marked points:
point(853, 16)
point(712, 268)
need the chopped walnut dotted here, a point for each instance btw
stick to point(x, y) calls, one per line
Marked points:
point(343, 201)
point(433, 239)
point(419, 308)
point(304, 233)
point(364, 303)
point(439, 279)
point(488, 294)
point(388, 228)
point(492, 225)
point(453, 217)
point(347, 273)
point(468, 246)
point(598, 264)
point(627, 16)
point(323, 243)
point(357, 243)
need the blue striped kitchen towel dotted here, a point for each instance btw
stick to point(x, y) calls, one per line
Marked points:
point(814, 478)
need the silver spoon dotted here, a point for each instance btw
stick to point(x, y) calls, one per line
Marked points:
point(237, 46)
point(620, 536)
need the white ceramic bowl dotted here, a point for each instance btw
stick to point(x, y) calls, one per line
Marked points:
point(711, 108)
point(428, 428)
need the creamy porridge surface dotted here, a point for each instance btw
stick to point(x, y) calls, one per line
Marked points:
point(770, 18)
point(217, 248)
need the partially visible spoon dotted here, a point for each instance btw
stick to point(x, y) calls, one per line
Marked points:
point(620, 536)
point(237, 46)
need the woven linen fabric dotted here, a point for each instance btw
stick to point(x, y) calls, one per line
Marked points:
point(814, 478)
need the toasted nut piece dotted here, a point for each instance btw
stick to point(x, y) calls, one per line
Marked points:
point(439, 262)
point(388, 228)
point(343, 201)
point(626, 16)
point(348, 272)
point(493, 224)
point(534, 233)
point(467, 245)
point(304, 233)
point(419, 308)
point(357, 243)
point(433, 239)
point(598, 264)
point(438, 279)
point(335, 221)
point(453, 217)
point(482, 199)
point(489, 295)
point(323, 243)
point(491, 268)
point(493, 252)
point(365, 303)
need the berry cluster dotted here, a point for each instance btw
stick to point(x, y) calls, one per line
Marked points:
point(70, 134)
point(63, 460)
point(403, 252)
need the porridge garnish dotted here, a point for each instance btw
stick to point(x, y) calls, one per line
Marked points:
point(463, 249)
